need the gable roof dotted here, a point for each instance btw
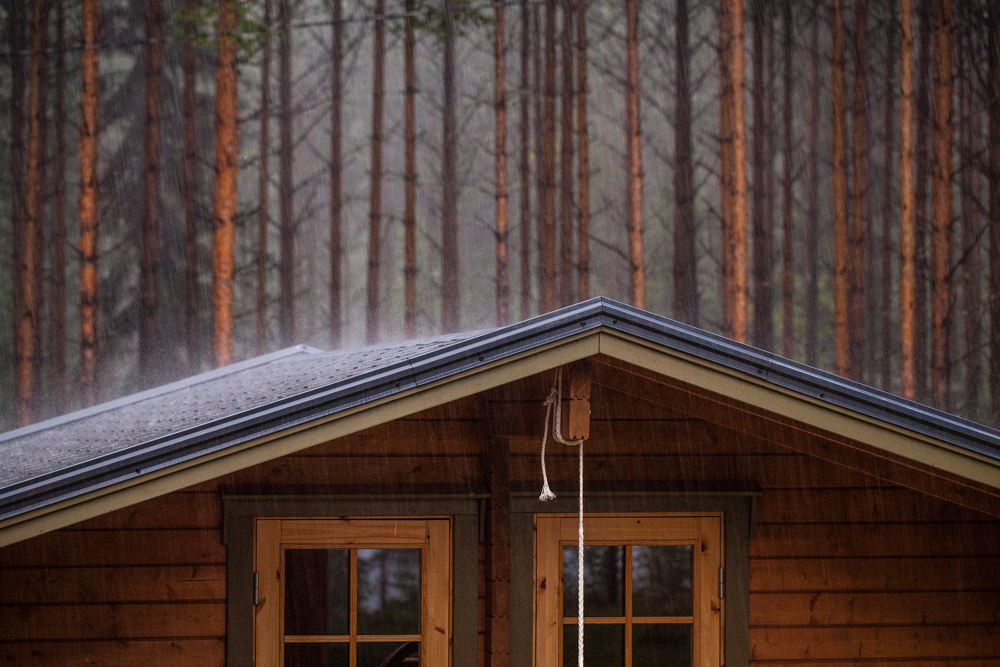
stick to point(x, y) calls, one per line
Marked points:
point(157, 441)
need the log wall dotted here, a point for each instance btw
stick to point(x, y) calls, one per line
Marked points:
point(845, 569)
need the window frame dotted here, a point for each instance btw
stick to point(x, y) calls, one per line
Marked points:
point(240, 514)
point(736, 508)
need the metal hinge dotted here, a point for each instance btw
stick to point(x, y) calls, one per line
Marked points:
point(722, 583)
point(256, 589)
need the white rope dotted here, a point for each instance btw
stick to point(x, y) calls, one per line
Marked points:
point(555, 398)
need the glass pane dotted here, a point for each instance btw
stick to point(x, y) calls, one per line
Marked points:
point(317, 655)
point(388, 592)
point(604, 581)
point(604, 645)
point(388, 655)
point(667, 645)
point(661, 580)
point(317, 591)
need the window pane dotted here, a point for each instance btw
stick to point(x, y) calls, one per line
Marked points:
point(388, 591)
point(604, 581)
point(317, 591)
point(667, 645)
point(317, 655)
point(388, 655)
point(661, 580)
point(604, 645)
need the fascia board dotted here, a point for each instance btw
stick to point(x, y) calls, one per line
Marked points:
point(233, 457)
point(747, 388)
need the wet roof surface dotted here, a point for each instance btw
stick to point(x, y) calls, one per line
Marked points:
point(105, 428)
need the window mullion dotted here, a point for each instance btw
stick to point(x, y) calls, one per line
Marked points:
point(628, 605)
point(353, 609)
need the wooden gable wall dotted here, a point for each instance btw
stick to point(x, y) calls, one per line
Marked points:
point(846, 567)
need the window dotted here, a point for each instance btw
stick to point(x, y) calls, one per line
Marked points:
point(652, 570)
point(651, 593)
point(352, 592)
point(390, 575)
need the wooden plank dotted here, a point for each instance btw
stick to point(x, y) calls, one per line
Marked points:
point(898, 608)
point(159, 653)
point(400, 437)
point(174, 510)
point(360, 471)
point(880, 540)
point(354, 532)
point(188, 583)
point(631, 530)
point(848, 643)
point(767, 471)
point(548, 591)
point(867, 662)
point(435, 649)
point(874, 574)
point(103, 621)
point(886, 504)
point(708, 558)
point(650, 437)
point(117, 547)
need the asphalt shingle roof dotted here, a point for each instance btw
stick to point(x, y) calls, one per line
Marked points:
point(106, 428)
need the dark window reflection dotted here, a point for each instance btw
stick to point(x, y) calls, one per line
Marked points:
point(667, 645)
point(317, 655)
point(604, 645)
point(317, 591)
point(604, 581)
point(388, 655)
point(388, 592)
point(661, 580)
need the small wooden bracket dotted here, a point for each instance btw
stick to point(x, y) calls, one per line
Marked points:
point(579, 403)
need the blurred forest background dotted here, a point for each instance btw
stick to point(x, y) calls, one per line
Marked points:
point(189, 183)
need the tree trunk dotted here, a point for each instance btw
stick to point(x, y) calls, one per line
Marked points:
point(15, 27)
point(941, 202)
point(566, 161)
point(860, 223)
point(842, 358)
point(224, 192)
point(549, 164)
point(971, 144)
point(763, 307)
point(375, 196)
point(885, 312)
point(923, 158)
point(264, 181)
point(637, 261)
point(91, 17)
point(582, 156)
point(450, 295)
point(336, 169)
point(787, 246)
point(539, 152)
point(189, 194)
point(812, 193)
point(34, 208)
point(907, 206)
point(500, 115)
point(150, 258)
point(58, 301)
point(525, 163)
point(735, 181)
point(410, 158)
point(685, 227)
point(286, 189)
point(993, 45)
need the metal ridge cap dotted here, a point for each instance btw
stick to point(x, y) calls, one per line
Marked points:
point(813, 382)
point(154, 392)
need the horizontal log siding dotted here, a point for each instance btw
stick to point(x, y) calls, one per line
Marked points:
point(845, 570)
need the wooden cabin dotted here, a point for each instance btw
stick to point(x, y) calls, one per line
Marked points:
point(380, 507)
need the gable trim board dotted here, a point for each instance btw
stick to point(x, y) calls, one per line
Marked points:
point(873, 418)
